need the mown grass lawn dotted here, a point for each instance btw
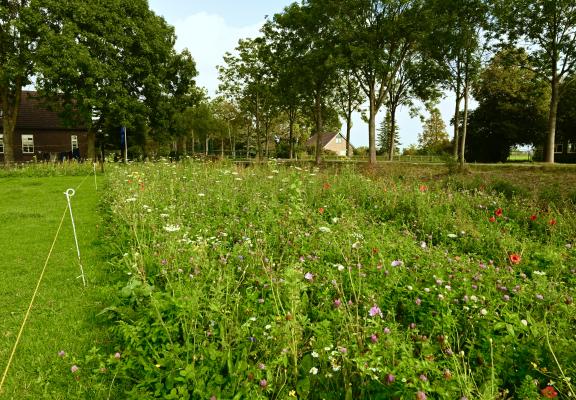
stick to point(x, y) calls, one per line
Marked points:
point(62, 318)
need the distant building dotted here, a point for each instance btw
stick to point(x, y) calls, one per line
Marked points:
point(333, 142)
point(564, 151)
point(40, 134)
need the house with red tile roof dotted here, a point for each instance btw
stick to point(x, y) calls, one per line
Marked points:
point(41, 135)
point(333, 142)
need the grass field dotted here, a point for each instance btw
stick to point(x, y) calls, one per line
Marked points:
point(220, 281)
point(62, 318)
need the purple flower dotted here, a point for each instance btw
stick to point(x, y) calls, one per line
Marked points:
point(117, 355)
point(61, 353)
point(74, 369)
point(423, 378)
point(261, 366)
point(263, 383)
point(374, 338)
point(375, 310)
point(309, 276)
point(420, 395)
point(396, 263)
point(387, 330)
point(412, 325)
point(390, 378)
point(337, 303)
point(343, 350)
point(506, 297)
point(418, 301)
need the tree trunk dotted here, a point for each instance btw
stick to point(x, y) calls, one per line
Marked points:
point(266, 139)
point(348, 132)
point(10, 108)
point(248, 143)
point(291, 138)
point(222, 148)
point(349, 119)
point(372, 127)
point(464, 120)
point(392, 133)
point(182, 145)
point(258, 138)
point(319, 127)
point(91, 144)
point(193, 143)
point(552, 115)
point(456, 146)
point(206, 146)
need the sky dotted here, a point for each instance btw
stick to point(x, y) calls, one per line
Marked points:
point(210, 28)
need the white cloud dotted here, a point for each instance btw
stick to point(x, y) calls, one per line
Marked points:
point(208, 37)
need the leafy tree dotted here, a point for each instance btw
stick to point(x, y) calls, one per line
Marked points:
point(377, 38)
point(289, 83)
point(434, 138)
point(245, 80)
point(118, 64)
point(384, 136)
point(309, 32)
point(19, 38)
point(547, 31)
point(347, 99)
point(512, 108)
point(458, 29)
point(567, 114)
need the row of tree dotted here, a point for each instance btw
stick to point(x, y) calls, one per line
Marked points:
point(103, 64)
point(324, 58)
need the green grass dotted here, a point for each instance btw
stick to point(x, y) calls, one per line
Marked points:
point(62, 317)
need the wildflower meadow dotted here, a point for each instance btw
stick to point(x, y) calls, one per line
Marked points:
point(280, 282)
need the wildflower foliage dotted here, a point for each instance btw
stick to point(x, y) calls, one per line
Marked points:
point(272, 282)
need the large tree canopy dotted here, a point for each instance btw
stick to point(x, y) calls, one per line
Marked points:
point(112, 60)
point(512, 108)
point(547, 31)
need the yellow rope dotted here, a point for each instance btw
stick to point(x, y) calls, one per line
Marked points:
point(31, 302)
point(35, 293)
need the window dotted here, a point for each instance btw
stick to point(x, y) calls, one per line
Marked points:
point(1, 144)
point(338, 140)
point(558, 148)
point(571, 147)
point(27, 144)
point(74, 139)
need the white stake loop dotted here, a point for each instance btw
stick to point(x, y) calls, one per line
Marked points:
point(69, 193)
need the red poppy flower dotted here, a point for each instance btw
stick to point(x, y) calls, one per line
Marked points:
point(321, 210)
point(423, 188)
point(515, 258)
point(533, 217)
point(549, 392)
point(326, 186)
point(498, 212)
point(492, 219)
point(552, 222)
